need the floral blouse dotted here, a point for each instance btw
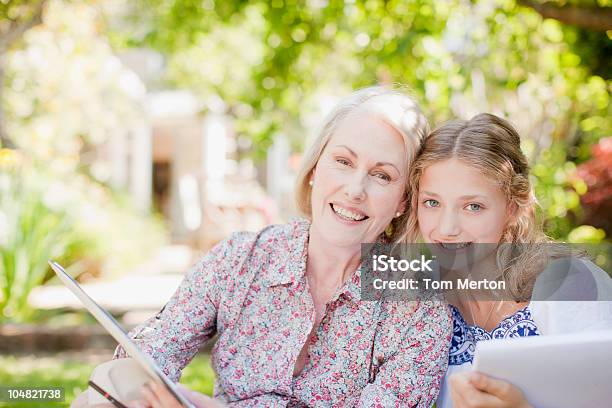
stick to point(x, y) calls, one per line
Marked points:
point(251, 290)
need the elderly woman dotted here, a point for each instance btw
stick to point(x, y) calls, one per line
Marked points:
point(286, 303)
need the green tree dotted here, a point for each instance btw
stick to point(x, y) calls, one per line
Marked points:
point(65, 93)
point(16, 17)
point(544, 65)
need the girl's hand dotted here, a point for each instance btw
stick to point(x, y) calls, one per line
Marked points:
point(475, 390)
point(156, 395)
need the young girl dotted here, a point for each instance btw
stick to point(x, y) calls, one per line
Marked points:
point(470, 185)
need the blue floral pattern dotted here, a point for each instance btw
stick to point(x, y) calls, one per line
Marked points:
point(465, 336)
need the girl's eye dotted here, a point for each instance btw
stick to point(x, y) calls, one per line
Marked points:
point(343, 162)
point(430, 203)
point(474, 207)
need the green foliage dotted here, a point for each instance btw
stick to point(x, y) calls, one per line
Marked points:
point(199, 375)
point(32, 371)
point(74, 221)
point(72, 373)
point(32, 233)
point(15, 13)
point(270, 61)
point(435, 48)
point(65, 94)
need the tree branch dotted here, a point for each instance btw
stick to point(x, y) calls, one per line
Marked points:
point(591, 18)
point(5, 141)
point(17, 29)
point(15, 32)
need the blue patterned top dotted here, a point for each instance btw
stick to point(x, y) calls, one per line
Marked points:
point(465, 336)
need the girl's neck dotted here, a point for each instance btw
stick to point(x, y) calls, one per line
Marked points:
point(487, 314)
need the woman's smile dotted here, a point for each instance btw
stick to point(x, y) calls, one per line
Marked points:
point(348, 214)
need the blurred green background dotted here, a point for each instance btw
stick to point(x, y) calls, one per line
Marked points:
point(77, 76)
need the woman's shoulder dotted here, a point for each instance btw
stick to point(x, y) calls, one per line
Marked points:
point(246, 255)
point(265, 239)
point(295, 229)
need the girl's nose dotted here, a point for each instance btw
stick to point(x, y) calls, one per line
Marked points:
point(449, 225)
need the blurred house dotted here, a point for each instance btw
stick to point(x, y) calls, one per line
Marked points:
point(184, 164)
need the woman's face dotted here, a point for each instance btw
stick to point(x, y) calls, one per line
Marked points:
point(359, 181)
point(458, 206)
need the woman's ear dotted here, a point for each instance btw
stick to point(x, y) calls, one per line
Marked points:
point(401, 208)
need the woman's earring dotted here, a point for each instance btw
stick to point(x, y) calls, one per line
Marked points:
point(397, 214)
point(310, 183)
point(389, 230)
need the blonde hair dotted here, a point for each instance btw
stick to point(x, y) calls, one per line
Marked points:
point(392, 106)
point(491, 145)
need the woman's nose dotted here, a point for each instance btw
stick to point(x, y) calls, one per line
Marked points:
point(355, 188)
point(449, 224)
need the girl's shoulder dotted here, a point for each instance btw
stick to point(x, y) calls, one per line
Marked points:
point(572, 279)
point(572, 295)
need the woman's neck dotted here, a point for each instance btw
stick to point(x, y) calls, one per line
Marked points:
point(330, 265)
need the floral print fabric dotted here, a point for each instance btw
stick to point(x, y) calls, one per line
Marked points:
point(465, 336)
point(251, 290)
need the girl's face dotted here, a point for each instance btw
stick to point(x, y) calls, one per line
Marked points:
point(459, 205)
point(359, 181)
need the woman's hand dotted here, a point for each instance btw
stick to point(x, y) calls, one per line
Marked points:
point(475, 390)
point(156, 395)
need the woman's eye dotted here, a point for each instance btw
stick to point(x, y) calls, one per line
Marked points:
point(382, 176)
point(343, 162)
point(431, 203)
point(474, 207)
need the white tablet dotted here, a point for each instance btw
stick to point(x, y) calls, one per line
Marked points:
point(558, 371)
point(111, 326)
